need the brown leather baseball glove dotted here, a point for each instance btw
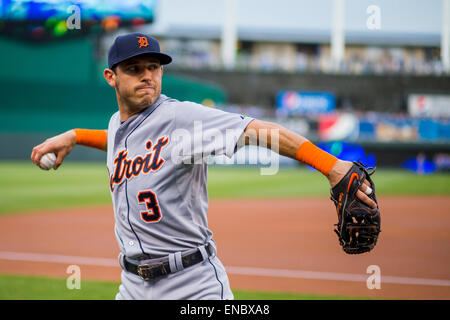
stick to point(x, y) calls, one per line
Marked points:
point(358, 225)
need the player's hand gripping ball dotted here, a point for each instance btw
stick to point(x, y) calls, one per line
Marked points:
point(47, 161)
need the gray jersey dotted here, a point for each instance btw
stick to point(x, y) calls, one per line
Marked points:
point(158, 182)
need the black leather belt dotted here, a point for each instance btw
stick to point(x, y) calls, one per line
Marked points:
point(151, 271)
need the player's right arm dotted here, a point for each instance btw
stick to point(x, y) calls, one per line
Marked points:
point(63, 144)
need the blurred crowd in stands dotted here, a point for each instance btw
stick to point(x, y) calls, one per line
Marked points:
point(313, 58)
point(357, 126)
point(344, 122)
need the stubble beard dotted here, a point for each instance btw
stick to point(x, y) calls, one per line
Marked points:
point(135, 104)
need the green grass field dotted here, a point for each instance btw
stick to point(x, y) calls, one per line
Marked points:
point(14, 287)
point(25, 188)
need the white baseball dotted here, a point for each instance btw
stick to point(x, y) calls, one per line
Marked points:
point(47, 161)
point(368, 191)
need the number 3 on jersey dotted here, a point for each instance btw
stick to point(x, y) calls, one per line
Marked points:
point(154, 213)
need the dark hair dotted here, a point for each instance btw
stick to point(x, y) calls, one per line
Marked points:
point(114, 68)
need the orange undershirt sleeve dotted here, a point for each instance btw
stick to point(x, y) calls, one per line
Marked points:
point(91, 138)
point(315, 157)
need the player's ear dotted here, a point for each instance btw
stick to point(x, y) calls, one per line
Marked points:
point(110, 77)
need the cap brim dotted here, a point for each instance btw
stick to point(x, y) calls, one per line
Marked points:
point(162, 57)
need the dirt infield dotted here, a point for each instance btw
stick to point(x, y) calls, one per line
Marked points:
point(270, 245)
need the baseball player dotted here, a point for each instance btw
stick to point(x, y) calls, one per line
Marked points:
point(156, 148)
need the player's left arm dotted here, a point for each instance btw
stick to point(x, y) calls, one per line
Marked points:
point(295, 146)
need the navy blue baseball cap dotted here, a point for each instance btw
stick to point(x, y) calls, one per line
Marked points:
point(132, 45)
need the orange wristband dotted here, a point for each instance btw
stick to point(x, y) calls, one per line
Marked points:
point(315, 157)
point(91, 138)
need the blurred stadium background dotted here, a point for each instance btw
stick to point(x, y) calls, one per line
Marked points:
point(366, 80)
point(371, 73)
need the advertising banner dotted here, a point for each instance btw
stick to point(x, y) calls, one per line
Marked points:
point(296, 102)
point(429, 105)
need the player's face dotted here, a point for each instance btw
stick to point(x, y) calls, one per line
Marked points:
point(138, 81)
